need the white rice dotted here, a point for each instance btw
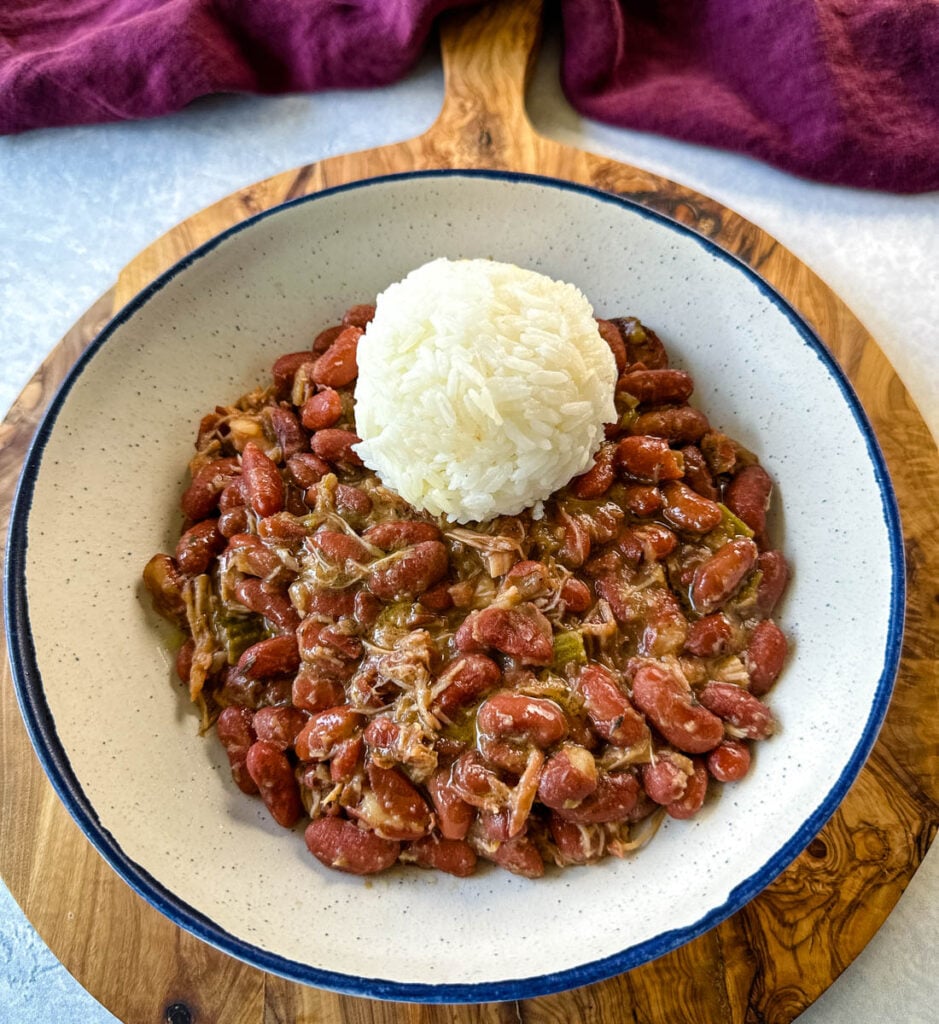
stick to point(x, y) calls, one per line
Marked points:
point(482, 388)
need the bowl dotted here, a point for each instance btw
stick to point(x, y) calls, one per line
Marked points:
point(120, 742)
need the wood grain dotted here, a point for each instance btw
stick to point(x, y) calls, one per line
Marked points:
point(766, 963)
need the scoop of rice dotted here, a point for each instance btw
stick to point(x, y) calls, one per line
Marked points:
point(482, 388)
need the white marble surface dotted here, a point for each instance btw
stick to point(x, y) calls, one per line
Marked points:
point(76, 204)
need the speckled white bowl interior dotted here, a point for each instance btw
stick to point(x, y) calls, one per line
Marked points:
point(100, 495)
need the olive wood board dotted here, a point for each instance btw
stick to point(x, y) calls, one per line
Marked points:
point(767, 962)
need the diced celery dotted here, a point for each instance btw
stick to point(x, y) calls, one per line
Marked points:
point(568, 648)
point(238, 632)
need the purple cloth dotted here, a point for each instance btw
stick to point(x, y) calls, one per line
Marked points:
point(844, 91)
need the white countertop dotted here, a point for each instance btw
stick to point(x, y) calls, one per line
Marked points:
point(76, 204)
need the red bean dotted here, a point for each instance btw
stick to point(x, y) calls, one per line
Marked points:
point(306, 469)
point(321, 410)
point(453, 856)
point(613, 799)
point(773, 581)
point(314, 691)
point(276, 656)
point(687, 510)
point(273, 605)
point(522, 632)
point(201, 497)
point(392, 806)
point(341, 844)
point(648, 458)
point(609, 710)
point(279, 726)
point(657, 387)
point(748, 496)
point(642, 344)
point(739, 708)
point(291, 438)
point(716, 580)
point(198, 546)
point(599, 478)
point(577, 844)
point(568, 777)
point(337, 367)
point(324, 730)
point(610, 333)
point(359, 316)
point(273, 775)
point(766, 654)
point(335, 445)
point(467, 679)
point(398, 534)
point(517, 719)
point(666, 778)
point(668, 703)
point(285, 369)
point(454, 814)
point(410, 572)
point(642, 499)
point(692, 800)
point(710, 637)
point(679, 424)
point(520, 856)
point(576, 595)
point(325, 338)
point(340, 548)
point(236, 734)
point(697, 473)
point(730, 761)
point(264, 487)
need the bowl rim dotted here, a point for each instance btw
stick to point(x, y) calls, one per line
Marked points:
point(40, 722)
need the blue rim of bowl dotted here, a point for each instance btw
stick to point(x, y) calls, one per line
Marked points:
point(40, 722)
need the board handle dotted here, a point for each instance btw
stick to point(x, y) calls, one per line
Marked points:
point(488, 54)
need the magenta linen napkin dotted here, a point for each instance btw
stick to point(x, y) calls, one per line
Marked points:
point(843, 91)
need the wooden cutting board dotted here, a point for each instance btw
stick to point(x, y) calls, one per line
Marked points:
point(766, 963)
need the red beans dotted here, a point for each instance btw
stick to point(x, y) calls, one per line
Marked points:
point(321, 410)
point(730, 761)
point(748, 495)
point(739, 708)
point(236, 734)
point(568, 777)
point(599, 478)
point(410, 573)
point(648, 458)
point(335, 445)
point(687, 510)
point(670, 706)
point(522, 690)
point(272, 774)
point(609, 711)
point(465, 680)
point(522, 632)
point(337, 367)
point(341, 844)
point(657, 387)
point(198, 546)
point(393, 536)
point(201, 497)
point(681, 424)
point(716, 579)
point(277, 656)
point(766, 654)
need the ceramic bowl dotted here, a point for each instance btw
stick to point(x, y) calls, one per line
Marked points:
point(120, 742)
